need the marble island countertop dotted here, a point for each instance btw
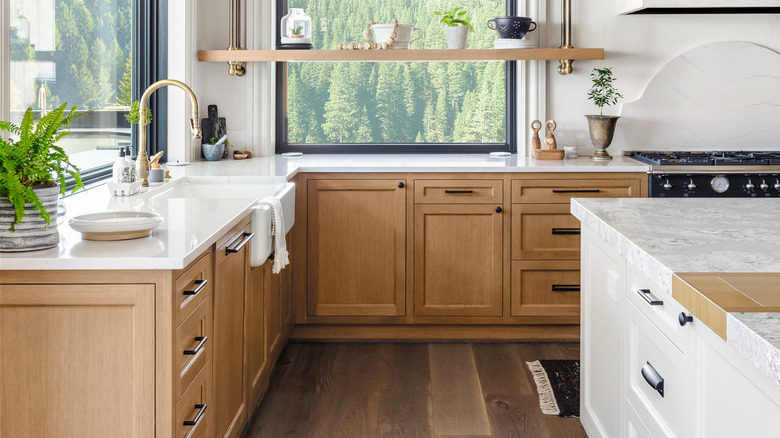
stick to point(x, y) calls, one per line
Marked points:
point(667, 237)
point(192, 225)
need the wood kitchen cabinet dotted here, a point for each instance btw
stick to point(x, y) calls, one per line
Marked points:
point(356, 248)
point(457, 259)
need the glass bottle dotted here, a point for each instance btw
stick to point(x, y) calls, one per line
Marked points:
point(296, 28)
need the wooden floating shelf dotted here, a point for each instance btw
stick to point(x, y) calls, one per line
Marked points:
point(397, 55)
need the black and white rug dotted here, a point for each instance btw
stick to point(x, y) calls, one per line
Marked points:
point(558, 385)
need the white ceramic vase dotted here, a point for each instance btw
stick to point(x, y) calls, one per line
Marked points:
point(456, 36)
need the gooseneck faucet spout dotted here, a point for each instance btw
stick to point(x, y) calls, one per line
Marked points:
point(142, 162)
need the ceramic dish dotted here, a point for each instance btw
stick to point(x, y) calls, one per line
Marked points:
point(115, 225)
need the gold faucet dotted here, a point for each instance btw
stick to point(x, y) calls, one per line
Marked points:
point(142, 162)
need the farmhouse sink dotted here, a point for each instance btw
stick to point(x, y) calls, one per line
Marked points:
point(254, 189)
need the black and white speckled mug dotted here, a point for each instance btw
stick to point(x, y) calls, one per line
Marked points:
point(511, 27)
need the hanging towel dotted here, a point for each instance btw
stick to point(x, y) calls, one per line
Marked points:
point(276, 224)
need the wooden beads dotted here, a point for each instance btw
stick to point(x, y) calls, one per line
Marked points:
point(368, 45)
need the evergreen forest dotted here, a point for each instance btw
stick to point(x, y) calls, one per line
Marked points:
point(393, 102)
point(92, 56)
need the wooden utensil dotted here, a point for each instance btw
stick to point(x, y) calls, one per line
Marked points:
point(536, 142)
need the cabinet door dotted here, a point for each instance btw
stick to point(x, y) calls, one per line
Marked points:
point(273, 320)
point(255, 336)
point(229, 372)
point(356, 247)
point(601, 339)
point(75, 350)
point(457, 260)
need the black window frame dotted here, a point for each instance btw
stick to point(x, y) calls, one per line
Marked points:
point(283, 145)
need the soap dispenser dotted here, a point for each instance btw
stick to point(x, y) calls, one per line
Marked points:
point(130, 161)
point(121, 171)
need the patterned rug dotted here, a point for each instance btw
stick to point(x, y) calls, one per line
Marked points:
point(558, 385)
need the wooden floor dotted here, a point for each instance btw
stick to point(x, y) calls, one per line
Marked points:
point(410, 390)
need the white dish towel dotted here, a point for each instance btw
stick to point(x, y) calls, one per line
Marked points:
point(281, 258)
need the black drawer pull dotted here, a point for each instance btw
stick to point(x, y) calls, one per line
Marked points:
point(566, 231)
point(234, 249)
point(684, 319)
point(566, 288)
point(202, 409)
point(401, 185)
point(645, 294)
point(199, 285)
point(576, 191)
point(201, 340)
point(459, 191)
point(653, 378)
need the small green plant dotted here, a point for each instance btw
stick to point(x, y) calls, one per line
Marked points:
point(603, 93)
point(227, 142)
point(455, 17)
point(133, 115)
point(297, 30)
point(35, 160)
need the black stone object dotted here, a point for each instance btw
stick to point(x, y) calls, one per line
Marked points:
point(213, 127)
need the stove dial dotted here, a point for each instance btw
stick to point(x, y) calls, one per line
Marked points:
point(691, 185)
point(750, 185)
point(720, 183)
point(764, 185)
point(667, 185)
point(777, 184)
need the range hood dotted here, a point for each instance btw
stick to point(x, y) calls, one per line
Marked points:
point(636, 7)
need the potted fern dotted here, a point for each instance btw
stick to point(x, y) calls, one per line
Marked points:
point(32, 176)
point(458, 25)
point(601, 127)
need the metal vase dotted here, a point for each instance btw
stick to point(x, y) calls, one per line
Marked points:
point(32, 233)
point(602, 129)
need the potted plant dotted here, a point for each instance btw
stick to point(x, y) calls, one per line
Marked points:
point(601, 127)
point(297, 32)
point(457, 29)
point(33, 176)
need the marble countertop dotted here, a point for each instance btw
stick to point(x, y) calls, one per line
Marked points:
point(667, 236)
point(192, 225)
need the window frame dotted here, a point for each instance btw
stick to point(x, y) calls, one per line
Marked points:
point(150, 50)
point(283, 145)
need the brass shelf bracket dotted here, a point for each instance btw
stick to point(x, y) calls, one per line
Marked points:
point(235, 68)
point(565, 67)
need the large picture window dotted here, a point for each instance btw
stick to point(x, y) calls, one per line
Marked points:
point(80, 52)
point(394, 106)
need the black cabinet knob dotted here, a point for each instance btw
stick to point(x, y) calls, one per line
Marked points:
point(400, 185)
point(685, 319)
point(499, 209)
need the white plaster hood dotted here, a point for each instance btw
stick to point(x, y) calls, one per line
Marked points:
point(698, 6)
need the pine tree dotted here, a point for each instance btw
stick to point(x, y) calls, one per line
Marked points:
point(124, 96)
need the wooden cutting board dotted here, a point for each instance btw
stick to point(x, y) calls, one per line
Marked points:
point(213, 127)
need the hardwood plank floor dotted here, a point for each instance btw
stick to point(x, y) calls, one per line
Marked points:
point(432, 390)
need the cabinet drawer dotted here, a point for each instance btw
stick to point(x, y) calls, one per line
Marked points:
point(545, 288)
point(193, 344)
point(192, 287)
point(194, 407)
point(653, 359)
point(561, 191)
point(659, 307)
point(449, 191)
point(544, 231)
point(633, 426)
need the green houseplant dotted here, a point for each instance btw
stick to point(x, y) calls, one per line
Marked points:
point(601, 127)
point(33, 176)
point(458, 25)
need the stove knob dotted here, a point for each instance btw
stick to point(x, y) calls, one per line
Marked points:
point(764, 185)
point(777, 184)
point(750, 185)
point(691, 185)
point(667, 185)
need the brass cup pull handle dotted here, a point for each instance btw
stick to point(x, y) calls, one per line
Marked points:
point(569, 231)
point(566, 288)
point(237, 247)
point(201, 409)
point(199, 285)
point(201, 340)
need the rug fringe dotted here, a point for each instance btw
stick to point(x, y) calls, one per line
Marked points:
point(546, 397)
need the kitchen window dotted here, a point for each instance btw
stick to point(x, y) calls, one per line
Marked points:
point(377, 107)
point(90, 53)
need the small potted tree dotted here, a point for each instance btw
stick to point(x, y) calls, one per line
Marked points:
point(457, 29)
point(601, 127)
point(32, 176)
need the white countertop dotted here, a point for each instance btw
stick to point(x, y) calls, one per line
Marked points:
point(192, 225)
point(666, 236)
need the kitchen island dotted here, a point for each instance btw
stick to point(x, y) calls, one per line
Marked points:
point(679, 317)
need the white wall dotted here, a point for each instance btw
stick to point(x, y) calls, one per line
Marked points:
point(636, 47)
